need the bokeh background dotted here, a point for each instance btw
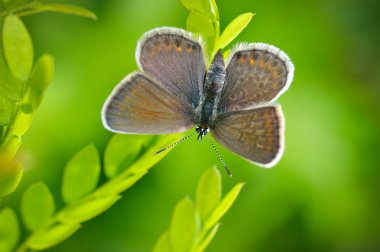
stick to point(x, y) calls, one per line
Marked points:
point(324, 193)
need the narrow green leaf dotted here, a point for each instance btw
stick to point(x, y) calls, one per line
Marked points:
point(121, 152)
point(23, 120)
point(183, 226)
point(37, 205)
point(10, 176)
point(163, 243)
point(234, 29)
point(206, 241)
point(87, 209)
point(10, 91)
point(62, 8)
point(120, 184)
point(6, 109)
point(40, 79)
point(223, 206)
point(203, 26)
point(9, 230)
point(81, 174)
point(209, 192)
point(51, 236)
point(214, 9)
point(204, 7)
point(18, 47)
point(10, 147)
point(226, 53)
point(150, 146)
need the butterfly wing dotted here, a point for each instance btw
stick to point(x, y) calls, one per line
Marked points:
point(174, 58)
point(256, 134)
point(138, 105)
point(256, 74)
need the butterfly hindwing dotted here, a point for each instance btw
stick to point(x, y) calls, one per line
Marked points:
point(256, 74)
point(174, 58)
point(138, 105)
point(256, 134)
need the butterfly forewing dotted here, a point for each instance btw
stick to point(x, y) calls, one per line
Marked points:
point(139, 105)
point(174, 58)
point(256, 134)
point(256, 74)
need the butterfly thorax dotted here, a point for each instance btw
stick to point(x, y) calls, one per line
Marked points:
point(213, 85)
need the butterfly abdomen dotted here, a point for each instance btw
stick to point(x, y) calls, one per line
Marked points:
point(213, 85)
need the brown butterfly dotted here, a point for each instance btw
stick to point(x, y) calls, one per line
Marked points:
point(234, 100)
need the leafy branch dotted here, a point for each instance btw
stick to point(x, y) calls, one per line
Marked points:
point(204, 20)
point(80, 191)
point(194, 225)
point(22, 84)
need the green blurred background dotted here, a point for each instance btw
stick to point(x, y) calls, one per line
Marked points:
point(324, 193)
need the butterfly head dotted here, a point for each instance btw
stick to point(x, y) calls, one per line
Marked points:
point(202, 131)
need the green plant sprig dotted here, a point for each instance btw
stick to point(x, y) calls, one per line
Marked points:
point(204, 20)
point(194, 225)
point(80, 191)
point(22, 84)
point(33, 7)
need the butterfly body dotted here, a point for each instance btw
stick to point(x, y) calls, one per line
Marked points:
point(213, 85)
point(232, 99)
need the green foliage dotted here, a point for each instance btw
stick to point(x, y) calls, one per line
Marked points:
point(193, 226)
point(20, 8)
point(81, 174)
point(121, 152)
point(85, 201)
point(204, 20)
point(18, 48)
point(234, 29)
point(22, 86)
point(37, 206)
point(61, 8)
point(209, 192)
point(10, 176)
point(9, 230)
point(184, 226)
point(51, 236)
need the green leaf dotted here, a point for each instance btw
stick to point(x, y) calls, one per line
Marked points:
point(87, 209)
point(223, 206)
point(234, 29)
point(9, 230)
point(23, 120)
point(39, 80)
point(10, 92)
point(18, 47)
point(10, 147)
point(226, 53)
point(62, 8)
point(200, 24)
point(10, 176)
point(151, 145)
point(205, 7)
point(81, 174)
point(163, 244)
point(120, 184)
point(183, 226)
point(206, 241)
point(209, 192)
point(37, 205)
point(121, 152)
point(51, 236)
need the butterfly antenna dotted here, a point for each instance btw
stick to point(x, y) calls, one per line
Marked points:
point(220, 157)
point(174, 144)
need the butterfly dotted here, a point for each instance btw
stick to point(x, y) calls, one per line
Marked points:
point(232, 99)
